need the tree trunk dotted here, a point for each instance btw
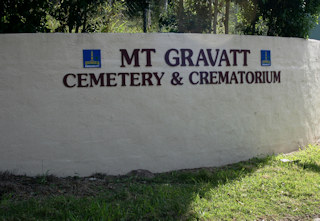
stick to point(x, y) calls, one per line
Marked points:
point(180, 17)
point(210, 15)
point(254, 21)
point(215, 18)
point(84, 28)
point(226, 24)
point(145, 17)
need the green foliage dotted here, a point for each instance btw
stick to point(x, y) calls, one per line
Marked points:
point(197, 16)
point(286, 18)
point(52, 24)
point(188, 16)
point(109, 18)
point(73, 15)
point(43, 178)
point(136, 7)
point(23, 16)
point(249, 20)
point(290, 18)
point(168, 21)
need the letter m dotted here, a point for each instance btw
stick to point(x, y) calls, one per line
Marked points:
point(128, 59)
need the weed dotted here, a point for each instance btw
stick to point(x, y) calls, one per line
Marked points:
point(43, 178)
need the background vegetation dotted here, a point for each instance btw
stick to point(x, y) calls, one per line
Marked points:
point(290, 18)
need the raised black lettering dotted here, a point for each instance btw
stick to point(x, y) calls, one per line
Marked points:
point(175, 59)
point(95, 81)
point(134, 56)
point(81, 79)
point(65, 80)
point(148, 56)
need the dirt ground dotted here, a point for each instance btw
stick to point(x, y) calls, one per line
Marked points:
point(24, 187)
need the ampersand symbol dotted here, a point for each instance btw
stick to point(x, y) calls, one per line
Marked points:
point(176, 79)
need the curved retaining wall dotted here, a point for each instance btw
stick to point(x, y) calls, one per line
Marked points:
point(158, 102)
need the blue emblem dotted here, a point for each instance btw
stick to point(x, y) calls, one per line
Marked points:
point(91, 58)
point(265, 58)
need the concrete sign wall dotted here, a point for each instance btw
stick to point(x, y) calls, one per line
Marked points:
point(111, 103)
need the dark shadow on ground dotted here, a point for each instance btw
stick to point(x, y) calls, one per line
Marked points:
point(140, 194)
point(309, 166)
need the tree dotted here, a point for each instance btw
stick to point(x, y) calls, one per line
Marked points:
point(286, 18)
point(139, 9)
point(249, 17)
point(108, 18)
point(73, 15)
point(194, 16)
point(168, 19)
point(290, 18)
point(23, 16)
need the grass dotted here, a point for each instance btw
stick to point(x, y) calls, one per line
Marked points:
point(260, 188)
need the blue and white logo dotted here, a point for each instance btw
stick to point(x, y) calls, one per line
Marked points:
point(91, 58)
point(265, 58)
